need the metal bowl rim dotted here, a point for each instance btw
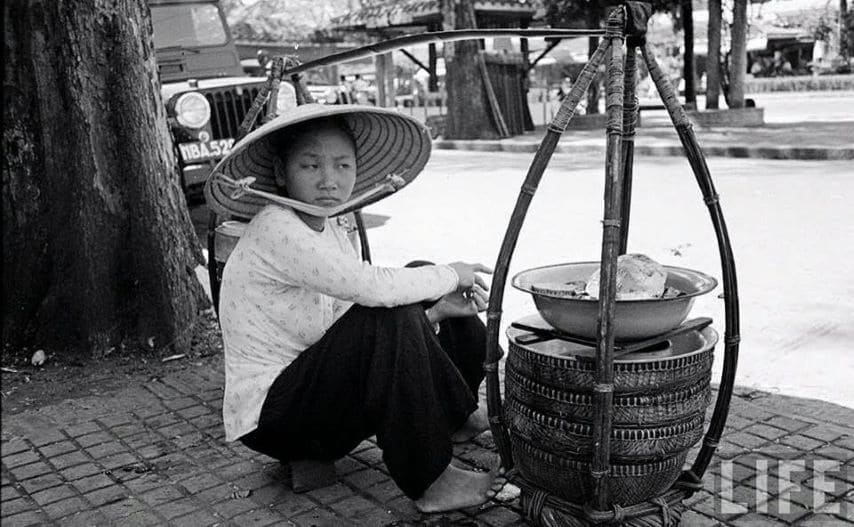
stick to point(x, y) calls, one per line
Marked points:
point(712, 283)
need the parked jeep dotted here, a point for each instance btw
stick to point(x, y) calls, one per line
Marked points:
point(206, 92)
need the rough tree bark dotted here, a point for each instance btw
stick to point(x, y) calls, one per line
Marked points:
point(468, 108)
point(688, 69)
point(738, 54)
point(713, 57)
point(98, 247)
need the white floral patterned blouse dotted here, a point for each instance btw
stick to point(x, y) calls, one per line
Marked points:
point(283, 286)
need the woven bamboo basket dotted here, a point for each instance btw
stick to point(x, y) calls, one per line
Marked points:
point(572, 440)
point(628, 484)
point(629, 409)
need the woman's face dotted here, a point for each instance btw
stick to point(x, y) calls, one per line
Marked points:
point(320, 168)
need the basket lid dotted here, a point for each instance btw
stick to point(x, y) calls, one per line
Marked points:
point(677, 347)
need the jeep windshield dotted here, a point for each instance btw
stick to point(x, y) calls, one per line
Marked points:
point(187, 26)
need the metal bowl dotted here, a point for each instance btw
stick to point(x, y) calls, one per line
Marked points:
point(633, 319)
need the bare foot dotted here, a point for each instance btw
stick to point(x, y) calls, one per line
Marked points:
point(477, 423)
point(456, 488)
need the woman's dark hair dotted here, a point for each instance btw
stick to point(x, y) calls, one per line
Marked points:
point(284, 141)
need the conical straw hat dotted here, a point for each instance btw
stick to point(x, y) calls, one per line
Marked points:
point(387, 142)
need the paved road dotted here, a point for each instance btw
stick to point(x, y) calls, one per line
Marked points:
point(790, 224)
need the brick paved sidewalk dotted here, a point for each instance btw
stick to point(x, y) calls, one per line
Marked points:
point(154, 454)
point(806, 140)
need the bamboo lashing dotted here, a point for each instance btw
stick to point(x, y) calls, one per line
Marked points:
point(604, 388)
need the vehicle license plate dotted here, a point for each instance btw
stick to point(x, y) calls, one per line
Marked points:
point(202, 150)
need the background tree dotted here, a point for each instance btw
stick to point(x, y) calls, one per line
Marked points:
point(468, 114)
point(738, 55)
point(98, 247)
point(713, 56)
point(581, 14)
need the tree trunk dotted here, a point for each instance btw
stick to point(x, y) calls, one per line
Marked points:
point(713, 57)
point(98, 247)
point(688, 70)
point(468, 108)
point(738, 54)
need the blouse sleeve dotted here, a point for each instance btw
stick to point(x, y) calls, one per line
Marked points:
point(315, 261)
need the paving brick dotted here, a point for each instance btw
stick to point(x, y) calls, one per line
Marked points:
point(196, 519)
point(162, 391)
point(823, 432)
point(105, 449)
point(736, 422)
point(330, 494)
point(765, 431)
point(55, 449)
point(110, 422)
point(365, 478)
point(200, 482)
point(94, 439)
point(10, 507)
point(143, 518)
point(52, 494)
point(499, 517)
point(144, 484)
point(20, 458)
point(787, 423)
point(45, 481)
point(8, 492)
point(320, 518)
point(834, 452)
point(161, 420)
point(86, 518)
point(748, 441)
point(127, 430)
point(118, 460)
point(164, 494)
point(69, 460)
point(65, 507)
point(230, 508)
point(375, 517)
point(695, 519)
point(106, 495)
point(46, 437)
point(237, 470)
point(89, 483)
point(347, 464)
point(384, 491)
point(820, 520)
point(351, 506)
point(294, 505)
point(258, 517)
point(780, 451)
point(180, 402)
point(756, 520)
point(253, 481)
point(13, 446)
point(122, 509)
point(802, 442)
point(215, 494)
point(193, 411)
point(25, 518)
point(370, 456)
point(82, 429)
point(178, 507)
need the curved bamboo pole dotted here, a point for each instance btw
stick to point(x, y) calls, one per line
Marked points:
point(630, 115)
point(603, 389)
point(438, 36)
point(711, 198)
point(526, 193)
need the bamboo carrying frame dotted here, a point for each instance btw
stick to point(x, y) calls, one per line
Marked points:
point(626, 25)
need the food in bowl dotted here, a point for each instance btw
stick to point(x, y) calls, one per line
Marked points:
point(639, 277)
point(633, 319)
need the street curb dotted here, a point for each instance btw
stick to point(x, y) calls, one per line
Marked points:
point(802, 153)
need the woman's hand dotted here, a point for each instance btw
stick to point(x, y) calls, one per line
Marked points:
point(467, 277)
point(470, 297)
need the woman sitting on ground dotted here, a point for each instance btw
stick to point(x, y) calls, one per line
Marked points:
point(322, 349)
